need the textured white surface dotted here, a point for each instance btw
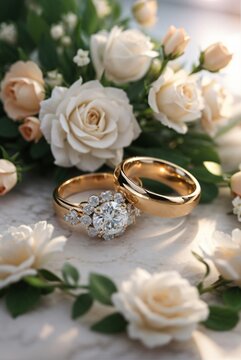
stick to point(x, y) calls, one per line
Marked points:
point(154, 244)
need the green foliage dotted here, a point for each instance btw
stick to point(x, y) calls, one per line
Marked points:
point(82, 305)
point(101, 288)
point(232, 297)
point(36, 27)
point(21, 298)
point(70, 274)
point(111, 324)
point(8, 128)
point(221, 318)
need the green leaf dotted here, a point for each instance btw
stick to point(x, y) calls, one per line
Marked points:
point(8, 128)
point(52, 9)
point(221, 318)
point(47, 53)
point(199, 153)
point(90, 18)
point(200, 259)
point(21, 298)
point(209, 192)
point(39, 150)
point(202, 174)
point(35, 281)
point(48, 275)
point(232, 297)
point(11, 11)
point(169, 155)
point(36, 26)
point(70, 274)
point(111, 324)
point(102, 288)
point(82, 304)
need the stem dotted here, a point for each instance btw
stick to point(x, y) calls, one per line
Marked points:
point(164, 64)
point(196, 69)
point(214, 286)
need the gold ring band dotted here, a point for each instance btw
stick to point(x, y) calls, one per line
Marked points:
point(172, 175)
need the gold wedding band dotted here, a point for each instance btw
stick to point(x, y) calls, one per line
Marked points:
point(106, 215)
point(167, 173)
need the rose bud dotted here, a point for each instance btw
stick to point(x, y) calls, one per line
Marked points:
point(216, 57)
point(235, 183)
point(175, 41)
point(8, 176)
point(145, 12)
point(30, 129)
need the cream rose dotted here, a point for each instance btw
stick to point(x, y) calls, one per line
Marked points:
point(145, 12)
point(216, 57)
point(175, 99)
point(25, 249)
point(88, 125)
point(217, 106)
point(225, 253)
point(175, 41)
point(30, 129)
point(8, 176)
point(235, 183)
point(160, 307)
point(22, 89)
point(237, 207)
point(123, 55)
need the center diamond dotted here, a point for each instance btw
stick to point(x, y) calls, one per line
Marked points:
point(110, 218)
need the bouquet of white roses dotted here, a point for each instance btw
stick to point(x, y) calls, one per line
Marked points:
point(80, 89)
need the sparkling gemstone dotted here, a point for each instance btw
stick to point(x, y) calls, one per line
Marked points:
point(108, 237)
point(85, 220)
point(110, 218)
point(92, 232)
point(119, 198)
point(72, 217)
point(88, 209)
point(106, 195)
point(94, 200)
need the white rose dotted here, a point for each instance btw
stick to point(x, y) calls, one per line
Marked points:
point(237, 207)
point(145, 12)
point(160, 307)
point(88, 125)
point(225, 252)
point(235, 183)
point(25, 249)
point(175, 41)
point(175, 99)
point(123, 55)
point(217, 106)
point(8, 176)
point(216, 57)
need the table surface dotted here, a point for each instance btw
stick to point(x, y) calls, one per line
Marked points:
point(154, 244)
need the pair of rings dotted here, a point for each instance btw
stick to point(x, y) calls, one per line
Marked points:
point(108, 214)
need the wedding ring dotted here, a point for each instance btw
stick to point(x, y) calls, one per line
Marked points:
point(106, 215)
point(177, 178)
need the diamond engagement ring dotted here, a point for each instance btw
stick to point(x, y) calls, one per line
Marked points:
point(106, 215)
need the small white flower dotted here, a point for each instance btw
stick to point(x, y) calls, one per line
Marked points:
point(57, 31)
point(225, 253)
point(81, 58)
point(159, 307)
point(66, 40)
point(54, 78)
point(33, 6)
point(70, 19)
point(237, 207)
point(24, 249)
point(8, 33)
point(102, 7)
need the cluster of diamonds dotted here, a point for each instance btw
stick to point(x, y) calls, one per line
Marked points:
point(106, 215)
